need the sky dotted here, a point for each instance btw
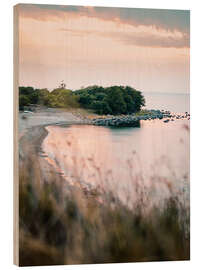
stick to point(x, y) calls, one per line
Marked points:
point(148, 49)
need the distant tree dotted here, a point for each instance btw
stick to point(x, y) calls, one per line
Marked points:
point(23, 101)
point(129, 103)
point(43, 96)
point(115, 100)
point(139, 100)
point(52, 101)
point(67, 99)
point(34, 97)
point(100, 96)
point(26, 90)
point(86, 100)
point(101, 107)
point(63, 98)
point(137, 97)
point(109, 100)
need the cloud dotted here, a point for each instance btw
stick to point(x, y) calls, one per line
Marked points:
point(154, 39)
point(170, 20)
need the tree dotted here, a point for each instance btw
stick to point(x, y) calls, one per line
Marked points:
point(43, 96)
point(115, 100)
point(26, 90)
point(129, 103)
point(101, 107)
point(63, 98)
point(137, 98)
point(109, 100)
point(86, 100)
point(23, 101)
point(100, 96)
point(34, 97)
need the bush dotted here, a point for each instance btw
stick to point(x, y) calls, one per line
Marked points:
point(115, 100)
point(111, 100)
point(27, 91)
point(58, 98)
point(23, 101)
point(63, 98)
point(101, 107)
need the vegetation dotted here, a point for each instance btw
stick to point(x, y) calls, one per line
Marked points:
point(110, 100)
point(58, 98)
point(61, 224)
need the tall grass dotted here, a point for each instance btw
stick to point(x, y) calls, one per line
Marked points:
point(63, 224)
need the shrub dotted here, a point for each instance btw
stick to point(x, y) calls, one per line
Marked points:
point(23, 101)
point(111, 100)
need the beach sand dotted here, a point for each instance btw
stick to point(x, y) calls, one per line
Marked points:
point(45, 117)
point(32, 132)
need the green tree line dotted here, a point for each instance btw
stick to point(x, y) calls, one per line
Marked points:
point(58, 98)
point(102, 100)
point(111, 100)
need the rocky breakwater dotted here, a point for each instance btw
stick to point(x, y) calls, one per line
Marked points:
point(127, 120)
point(168, 116)
point(134, 119)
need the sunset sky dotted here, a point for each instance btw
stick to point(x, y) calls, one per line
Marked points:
point(145, 48)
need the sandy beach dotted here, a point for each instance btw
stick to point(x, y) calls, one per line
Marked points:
point(47, 116)
point(32, 132)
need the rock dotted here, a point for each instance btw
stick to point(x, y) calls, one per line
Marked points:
point(127, 121)
point(132, 120)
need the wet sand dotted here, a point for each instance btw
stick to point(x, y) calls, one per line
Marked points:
point(32, 132)
point(47, 116)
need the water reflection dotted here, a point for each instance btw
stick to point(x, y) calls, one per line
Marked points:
point(155, 156)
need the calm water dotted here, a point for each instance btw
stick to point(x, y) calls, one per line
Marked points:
point(154, 156)
point(173, 102)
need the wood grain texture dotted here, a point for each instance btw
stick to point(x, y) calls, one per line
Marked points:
point(15, 130)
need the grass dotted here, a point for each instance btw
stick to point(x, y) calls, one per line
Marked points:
point(67, 226)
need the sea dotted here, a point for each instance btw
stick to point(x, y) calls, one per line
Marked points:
point(178, 103)
point(152, 161)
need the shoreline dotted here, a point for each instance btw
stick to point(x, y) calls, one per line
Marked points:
point(32, 129)
point(31, 156)
point(44, 191)
point(32, 137)
point(30, 150)
point(48, 116)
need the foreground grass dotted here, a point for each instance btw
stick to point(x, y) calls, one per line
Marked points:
point(60, 224)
